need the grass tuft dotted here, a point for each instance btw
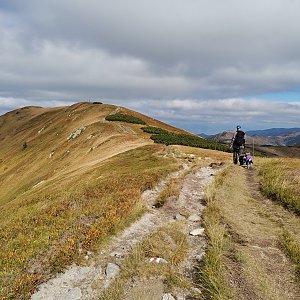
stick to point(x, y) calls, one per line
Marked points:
point(172, 189)
point(170, 243)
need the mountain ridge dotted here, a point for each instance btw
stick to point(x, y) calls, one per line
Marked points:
point(266, 137)
point(273, 131)
point(69, 179)
point(45, 133)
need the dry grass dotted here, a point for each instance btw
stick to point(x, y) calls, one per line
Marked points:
point(280, 179)
point(292, 248)
point(170, 243)
point(212, 274)
point(205, 155)
point(243, 260)
point(172, 189)
point(46, 231)
point(260, 285)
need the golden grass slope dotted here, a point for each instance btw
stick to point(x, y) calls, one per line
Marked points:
point(59, 198)
point(49, 155)
point(62, 197)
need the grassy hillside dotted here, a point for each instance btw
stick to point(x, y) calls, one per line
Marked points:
point(52, 156)
point(69, 179)
point(62, 194)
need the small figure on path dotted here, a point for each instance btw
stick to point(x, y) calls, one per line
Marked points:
point(249, 160)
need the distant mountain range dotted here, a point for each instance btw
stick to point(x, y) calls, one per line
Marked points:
point(267, 137)
point(273, 131)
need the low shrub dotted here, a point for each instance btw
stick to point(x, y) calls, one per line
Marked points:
point(154, 130)
point(161, 136)
point(125, 118)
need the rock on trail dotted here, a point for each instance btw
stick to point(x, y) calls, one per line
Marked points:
point(197, 231)
point(70, 285)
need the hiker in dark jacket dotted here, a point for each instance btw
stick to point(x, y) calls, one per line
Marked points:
point(238, 143)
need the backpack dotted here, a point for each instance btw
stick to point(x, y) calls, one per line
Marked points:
point(239, 138)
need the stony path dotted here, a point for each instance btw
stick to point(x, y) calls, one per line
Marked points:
point(191, 198)
point(83, 283)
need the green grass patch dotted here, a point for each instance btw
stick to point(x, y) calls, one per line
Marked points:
point(280, 180)
point(161, 136)
point(125, 118)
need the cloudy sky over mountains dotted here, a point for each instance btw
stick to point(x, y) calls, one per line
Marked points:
point(203, 65)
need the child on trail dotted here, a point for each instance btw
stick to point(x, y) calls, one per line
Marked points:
point(249, 160)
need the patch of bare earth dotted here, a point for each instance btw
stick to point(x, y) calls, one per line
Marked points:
point(88, 282)
point(257, 267)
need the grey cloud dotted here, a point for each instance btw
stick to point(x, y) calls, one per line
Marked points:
point(80, 72)
point(8, 104)
point(216, 114)
point(131, 50)
point(223, 48)
point(197, 115)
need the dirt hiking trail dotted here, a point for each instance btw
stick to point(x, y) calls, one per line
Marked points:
point(257, 267)
point(90, 281)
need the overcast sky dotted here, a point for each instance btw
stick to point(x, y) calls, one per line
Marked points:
point(203, 65)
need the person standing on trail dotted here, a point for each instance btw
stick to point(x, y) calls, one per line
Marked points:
point(238, 145)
